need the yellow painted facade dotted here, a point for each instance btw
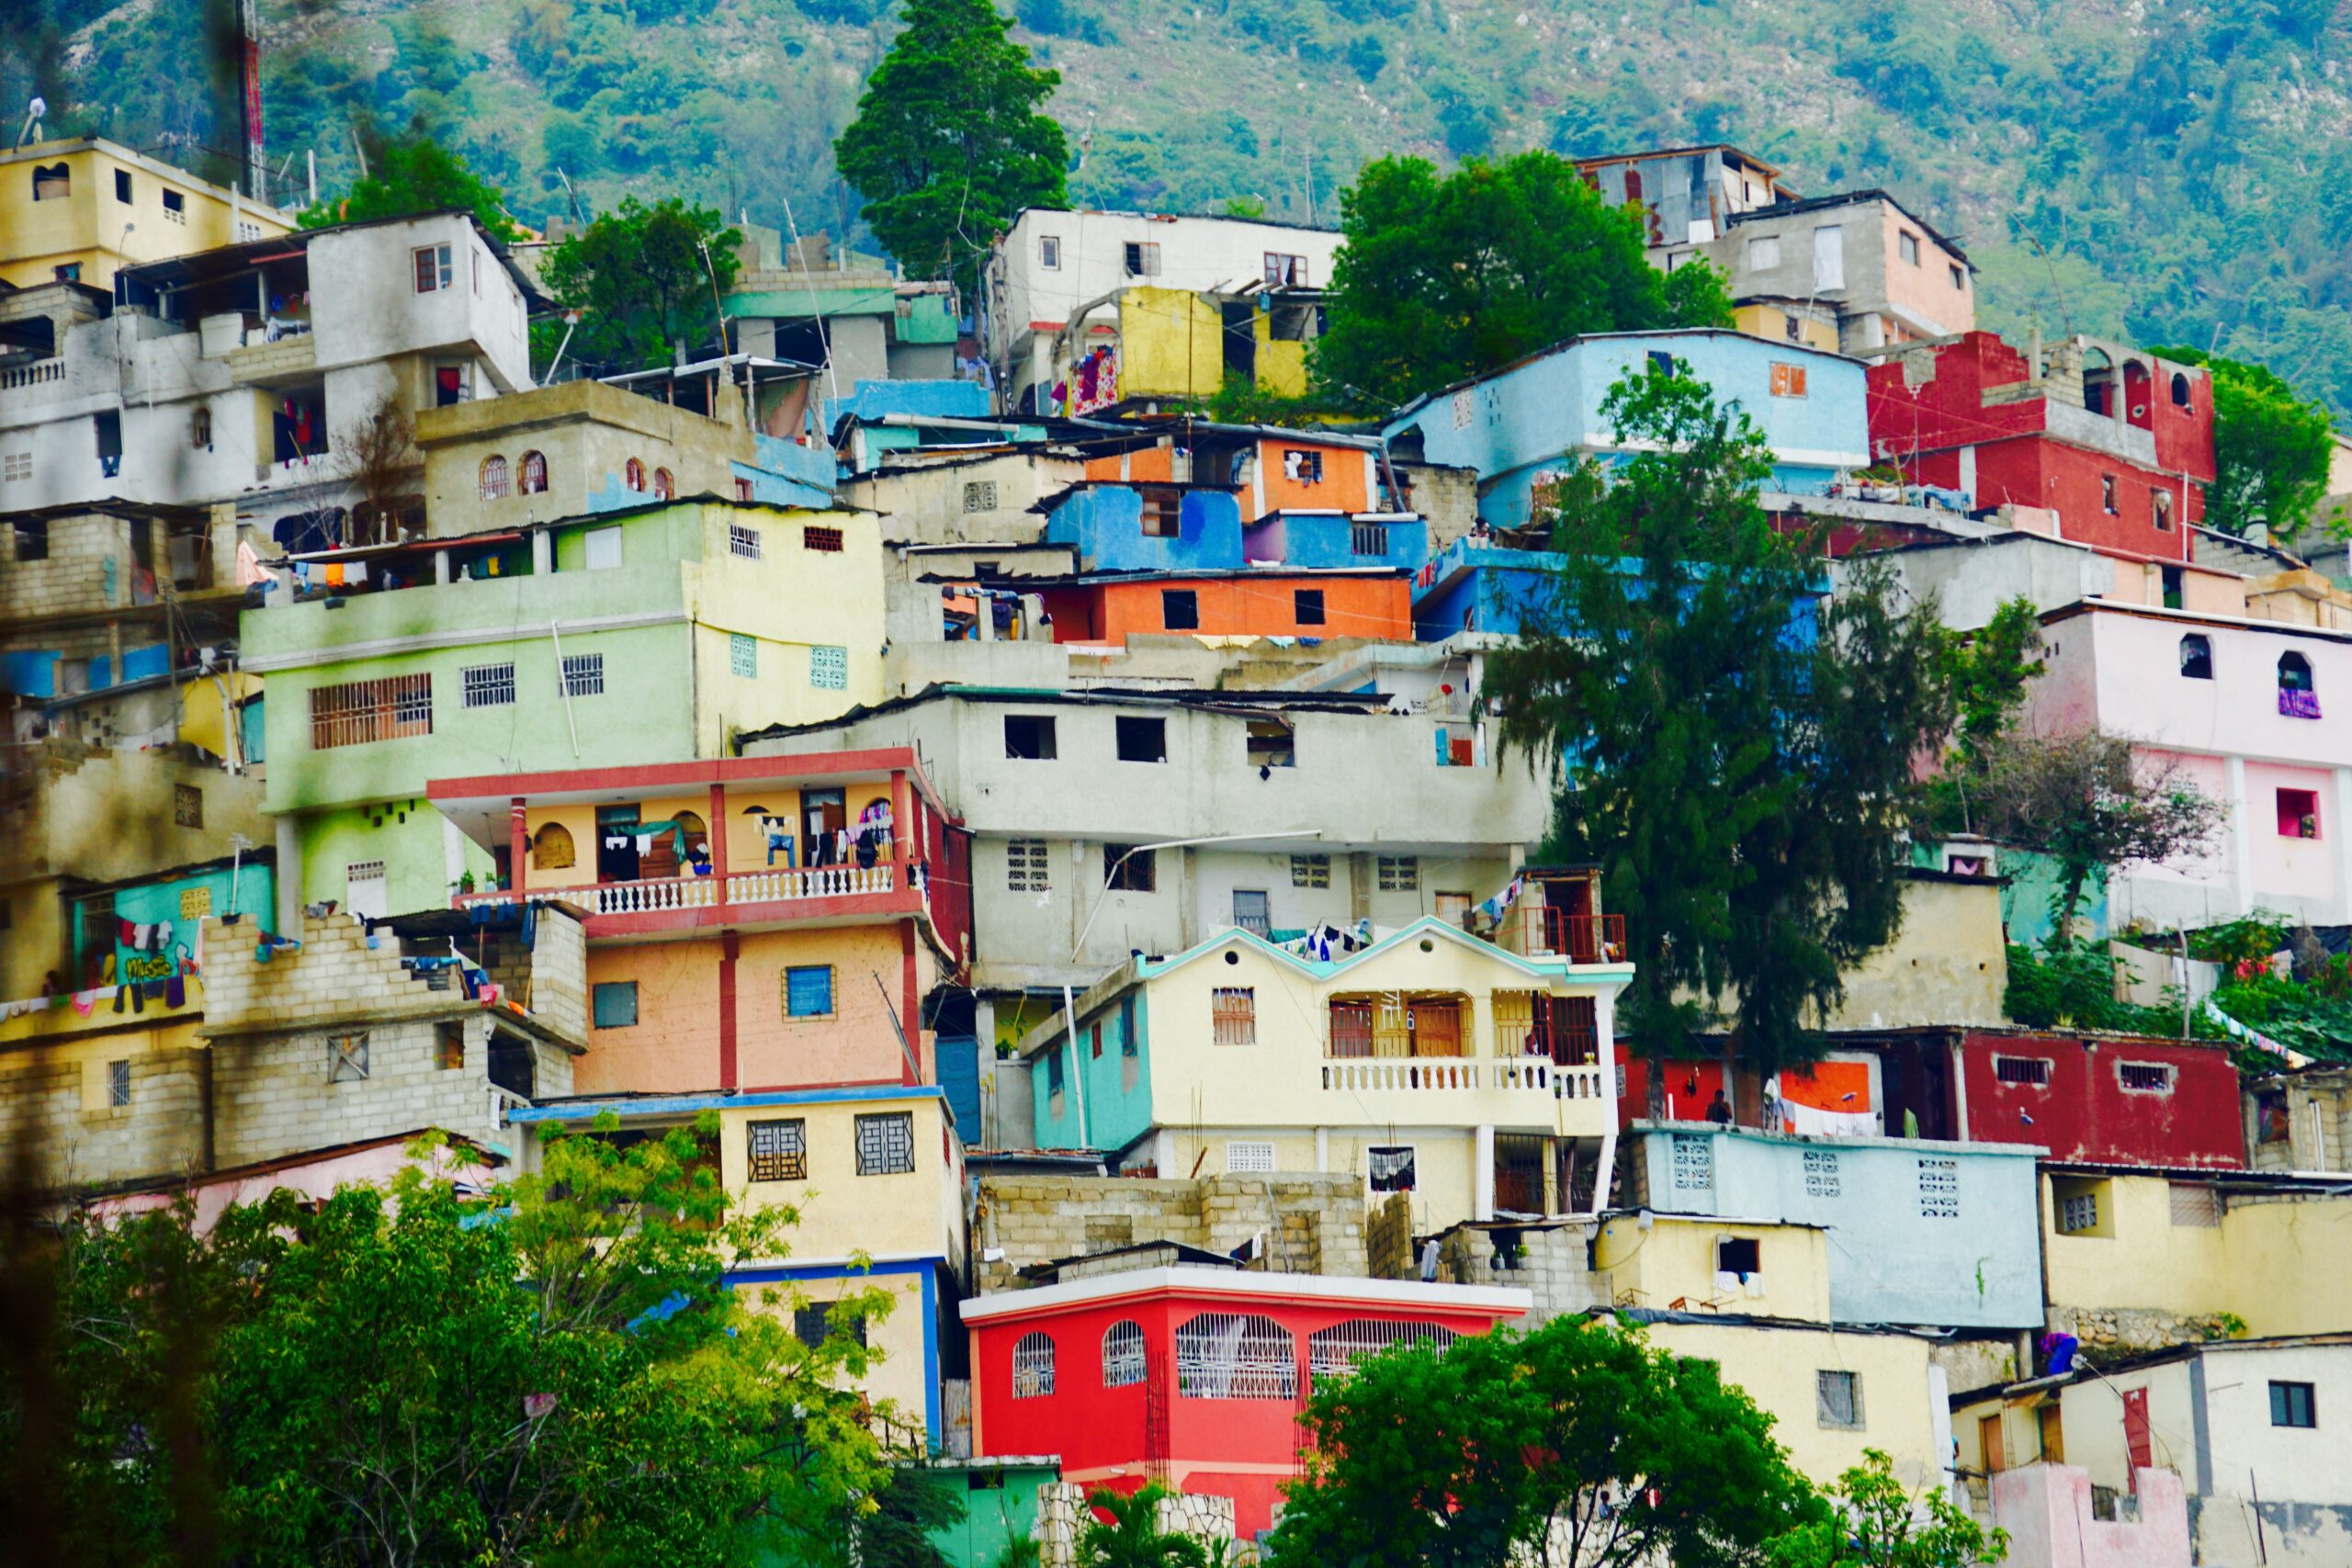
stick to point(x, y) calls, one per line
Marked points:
point(1171, 344)
point(1772, 323)
point(1674, 1263)
point(843, 1214)
point(80, 221)
point(826, 599)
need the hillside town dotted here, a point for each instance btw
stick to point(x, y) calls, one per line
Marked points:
point(1069, 847)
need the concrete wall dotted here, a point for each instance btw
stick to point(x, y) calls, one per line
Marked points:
point(2048, 1512)
point(953, 501)
point(844, 1212)
point(1311, 1224)
point(1670, 1261)
point(1103, 524)
point(111, 816)
point(56, 1100)
point(87, 223)
point(1948, 964)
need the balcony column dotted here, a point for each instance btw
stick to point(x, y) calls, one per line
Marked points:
point(902, 818)
point(1482, 1176)
point(288, 871)
point(719, 841)
point(542, 553)
point(519, 842)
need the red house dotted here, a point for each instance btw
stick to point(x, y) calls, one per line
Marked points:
point(2118, 443)
point(1193, 1374)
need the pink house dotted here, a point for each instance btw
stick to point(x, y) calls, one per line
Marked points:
point(2057, 1519)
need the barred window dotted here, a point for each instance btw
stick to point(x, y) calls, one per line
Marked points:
point(1227, 1354)
point(1123, 1354)
point(1333, 1352)
point(2148, 1078)
point(118, 1083)
point(1399, 873)
point(743, 655)
point(1310, 870)
point(583, 675)
point(1233, 1012)
point(885, 1143)
point(357, 711)
point(2020, 1069)
point(812, 1325)
point(1033, 1366)
point(979, 495)
point(777, 1151)
point(496, 479)
point(488, 685)
point(825, 541)
point(1024, 866)
point(743, 541)
point(828, 667)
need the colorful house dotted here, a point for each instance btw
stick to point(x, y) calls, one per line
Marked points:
point(1105, 610)
point(75, 211)
point(766, 922)
point(1148, 1368)
point(1709, 1263)
point(1432, 1062)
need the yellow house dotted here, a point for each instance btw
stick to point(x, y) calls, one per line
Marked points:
point(1788, 320)
point(1701, 1263)
point(75, 211)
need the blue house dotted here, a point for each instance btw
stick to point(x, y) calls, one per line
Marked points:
point(1921, 1231)
point(1481, 588)
point(1151, 526)
point(1530, 422)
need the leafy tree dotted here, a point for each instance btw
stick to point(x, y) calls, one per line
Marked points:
point(2271, 448)
point(948, 146)
point(1880, 1525)
point(413, 174)
point(1131, 1537)
point(899, 1532)
point(1989, 670)
point(554, 1371)
point(643, 278)
point(1443, 277)
point(1579, 1442)
point(1736, 758)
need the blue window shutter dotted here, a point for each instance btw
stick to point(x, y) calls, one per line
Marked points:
point(809, 993)
point(1442, 752)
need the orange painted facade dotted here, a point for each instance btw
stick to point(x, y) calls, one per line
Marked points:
point(1365, 605)
point(1288, 474)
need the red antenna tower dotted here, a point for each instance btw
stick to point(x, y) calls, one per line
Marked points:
point(249, 42)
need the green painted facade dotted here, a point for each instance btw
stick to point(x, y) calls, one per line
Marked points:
point(412, 840)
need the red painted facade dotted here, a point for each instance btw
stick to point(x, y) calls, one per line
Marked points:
point(2089, 1112)
point(1158, 1401)
point(2021, 456)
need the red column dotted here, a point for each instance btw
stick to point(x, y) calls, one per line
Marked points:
point(718, 838)
point(902, 819)
point(911, 1065)
point(519, 842)
point(730, 946)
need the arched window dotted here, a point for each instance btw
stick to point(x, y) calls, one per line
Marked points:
point(535, 473)
point(1123, 1354)
point(633, 476)
point(1334, 1352)
point(2294, 672)
point(1033, 1366)
point(495, 479)
point(551, 848)
point(2180, 397)
point(664, 487)
point(2196, 658)
point(1229, 1355)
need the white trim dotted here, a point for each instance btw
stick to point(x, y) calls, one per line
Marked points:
point(1196, 1279)
point(383, 647)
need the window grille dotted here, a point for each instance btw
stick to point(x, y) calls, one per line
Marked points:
point(743, 655)
point(1839, 1397)
point(2080, 1213)
point(885, 1143)
point(1033, 1366)
point(118, 1083)
point(1310, 870)
point(1399, 873)
point(1225, 1355)
point(813, 1325)
point(2197, 1206)
point(497, 480)
point(188, 807)
point(1233, 1011)
point(347, 1058)
point(829, 669)
point(195, 903)
point(2145, 1077)
point(391, 709)
point(583, 675)
point(1245, 1158)
point(1123, 1355)
point(2021, 1069)
point(979, 495)
point(1026, 866)
point(665, 487)
point(743, 541)
point(777, 1151)
point(487, 686)
point(824, 541)
point(1333, 1352)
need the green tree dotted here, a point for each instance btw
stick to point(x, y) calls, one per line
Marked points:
point(1989, 669)
point(1131, 1537)
point(553, 1372)
point(1881, 1526)
point(1581, 1434)
point(1443, 277)
point(948, 146)
point(643, 278)
point(413, 174)
point(2271, 448)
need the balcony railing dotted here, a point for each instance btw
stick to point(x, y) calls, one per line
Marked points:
point(666, 894)
point(33, 374)
point(1368, 538)
point(1585, 939)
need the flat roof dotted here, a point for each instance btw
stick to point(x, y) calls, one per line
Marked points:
point(1802, 205)
point(1193, 1279)
point(587, 1108)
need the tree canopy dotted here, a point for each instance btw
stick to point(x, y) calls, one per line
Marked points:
point(1879, 1525)
point(948, 146)
point(1580, 1436)
point(643, 279)
point(2271, 448)
point(1443, 277)
point(413, 174)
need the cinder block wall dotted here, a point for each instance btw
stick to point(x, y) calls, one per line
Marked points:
point(82, 1142)
point(1310, 1223)
point(1551, 1262)
point(73, 578)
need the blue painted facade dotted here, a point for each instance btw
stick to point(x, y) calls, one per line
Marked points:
point(1938, 1233)
point(1102, 524)
point(1482, 589)
point(924, 400)
point(33, 672)
point(1314, 540)
point(959, 1081)
point(245, 889)
point(1543, 413)
point(1116, 1085)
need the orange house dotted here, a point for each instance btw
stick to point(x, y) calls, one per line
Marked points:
point(1107, 610)
point(1268, 472)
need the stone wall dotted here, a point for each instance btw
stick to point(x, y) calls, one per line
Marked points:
point(1310, 1223)
point(1062, 1518)
point(2134, 1328)
point(1549, 1261)
point(60, 1103)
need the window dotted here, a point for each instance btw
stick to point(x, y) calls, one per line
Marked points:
point(2196, 1206)
point(828, 667)
point(1123, 1354)
point(1351, 1029)
point(1285, 272)
point(1763, 252)
point(776, 1151)
point(1225, 1354)
point(2160, 508)
point(2144, 1077)
point(602, 549)
point(979, 495)
point(1792, 329)
point(119, 1084)
point(122, 185)
point(1029, 737)
point(551, 848)
point(187, 805)
point(486, 686)
point(195, 904)
point(1246, 1157)
point(1270, 744)
point(743, 655)
point(1142, 259)
point(1233, 1016)
point(347, 1058)
point(2021, 1069)
point(1049, 252)
point(665, 487)
point(1838, 1397)
point(1661, 363)
point(822, 540)
point(1126, 869)
point(1306, 606)
point(1958, 278)
point(1738, 1254)
point(1250, 911)
point(1024, 866)
point(32, 538)
point(743, 543)
point(432, 266)
point(2078, 1213)
point(1310, 870)
point(1163, 513)
point(2196, 658)
point(2298, 814)
point(2290, 1404)
point(1143, 739)
point(495, 480)
point(885, 1143)
point(53, 184)
point(809, 991)
point(633, 475)
point(614, 1004)
point(583, 675)
point(1303, 466)
point(1180, 609)
point(1391, 1166)
point(1906, 244)
point(535, 473)
point(69, 272)
point(1788, 380)
point(2294, 672)
point(175, 206)
point(742, 490)
point(1033, 1366)
point(360, 711)
point(450, 1046)
point(17, 466)
point(2180, 398)
point(813, 1325)
point(1399, 873)
point(2107, 494)
point(1094, 1040)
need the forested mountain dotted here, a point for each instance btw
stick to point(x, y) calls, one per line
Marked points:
point(2171, 171)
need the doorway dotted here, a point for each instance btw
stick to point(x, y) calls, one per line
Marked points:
point(824, 815)
point(616, 843)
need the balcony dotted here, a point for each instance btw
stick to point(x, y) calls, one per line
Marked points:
point(1585, 939)
point(742, 898)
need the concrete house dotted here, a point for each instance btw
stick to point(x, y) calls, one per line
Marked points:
point(1859, 260)
point(78, 211)
point(1685, 197)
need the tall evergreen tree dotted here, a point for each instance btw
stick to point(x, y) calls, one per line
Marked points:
point(948, 146)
